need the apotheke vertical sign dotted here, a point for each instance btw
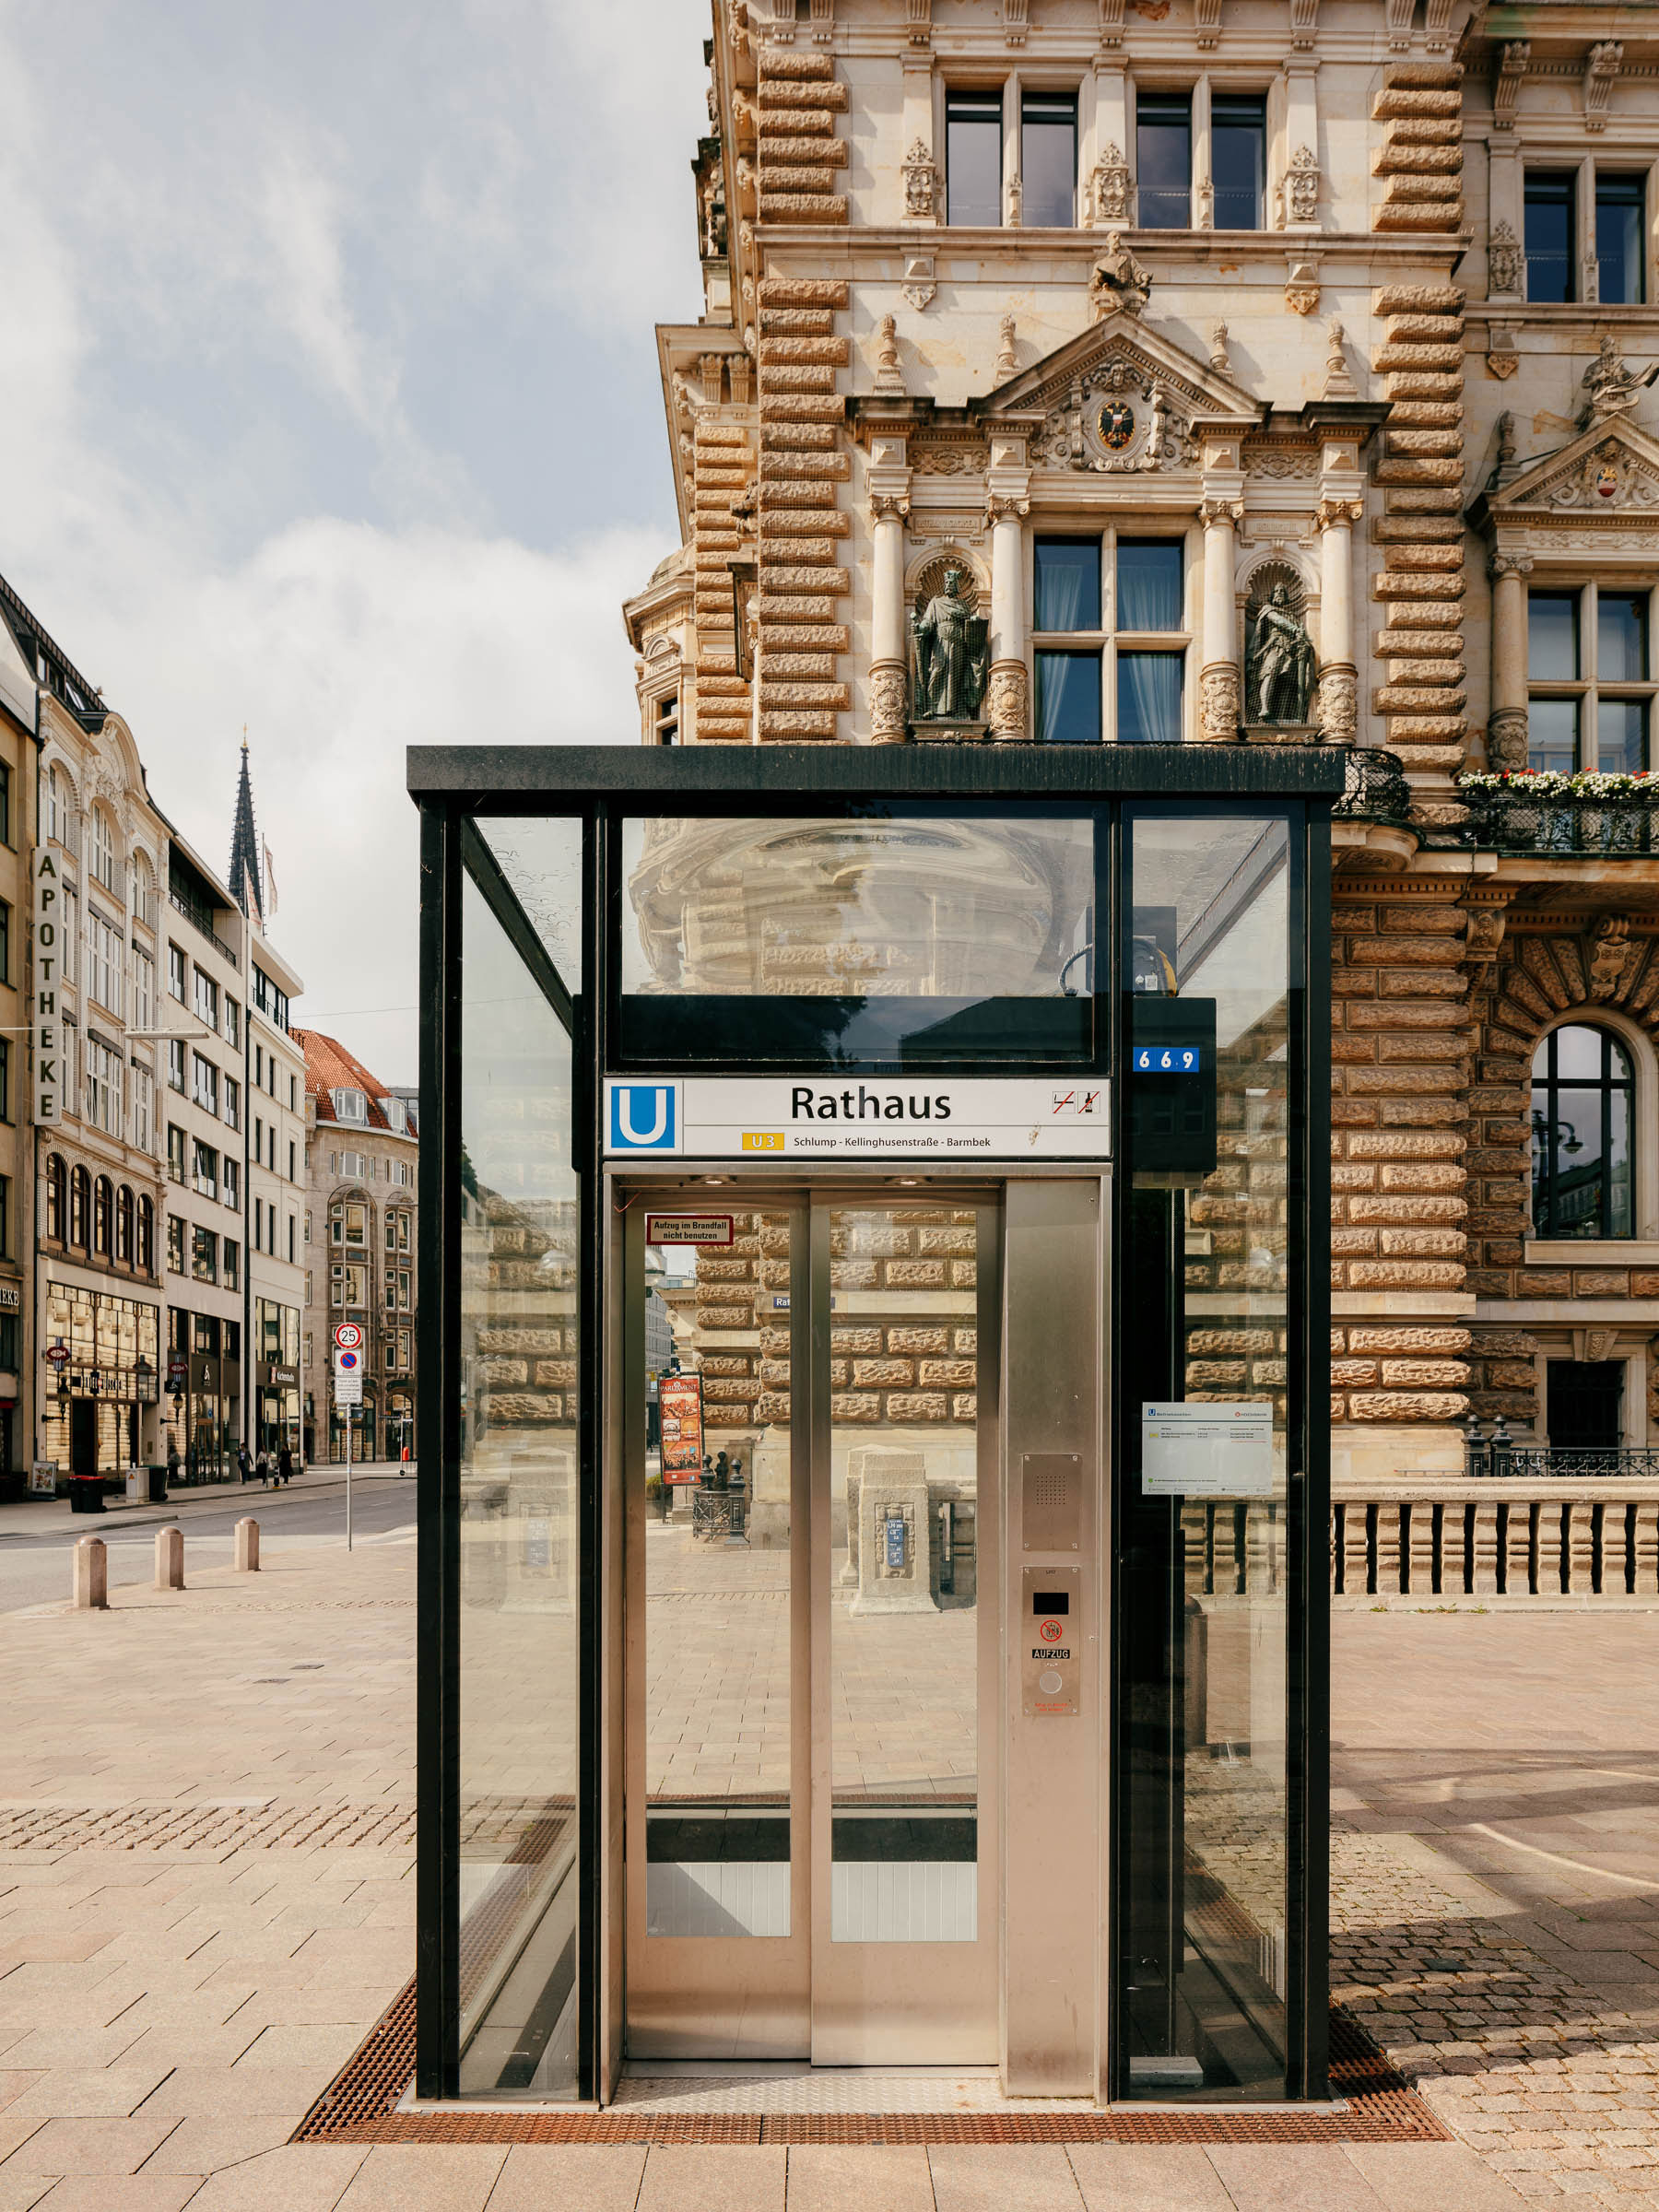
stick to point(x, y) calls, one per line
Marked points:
point(46, 1028)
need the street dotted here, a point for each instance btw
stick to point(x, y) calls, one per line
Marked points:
point(34, 1568)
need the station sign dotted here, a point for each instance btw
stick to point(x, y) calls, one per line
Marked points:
point(872, 1117)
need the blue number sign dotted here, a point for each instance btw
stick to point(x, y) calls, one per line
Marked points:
point(1166, 1059)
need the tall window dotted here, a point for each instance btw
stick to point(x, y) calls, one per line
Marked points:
point(1238, 160)
point(973, 157)
point(147, 1237)
point(123, 1225)
point(143, 1122)
point(1551, 201)
point(1589, 679)
point(206, 999)
point(103, 1216)
point(1048, 160)
point(203, 1255)
point(57, 1190)
point(205, 1174)
point(176, 1141)
point(178, 974)
point(1583, 1102)
point(104, 950)
point(205, 1083)
point(1110, 649)
point(665, 719)
point(103, 843)
point(103, 1087)
point(1163, 160)
point(143, 991)
point(1621, 272)
point(175, 1244)
point(6, 805)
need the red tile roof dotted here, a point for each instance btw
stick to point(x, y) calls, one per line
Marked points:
point(330, 1068)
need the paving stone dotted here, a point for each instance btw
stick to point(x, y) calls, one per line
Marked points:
point(593, 2177)
point(129, 2192)
point(296, 2177)
point(1135, 2177)
point(1293, 2177)
point(92, 2145)
point(999, 2178)
point(428, 2177)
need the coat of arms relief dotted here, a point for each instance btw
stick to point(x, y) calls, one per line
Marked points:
point(1124, 417)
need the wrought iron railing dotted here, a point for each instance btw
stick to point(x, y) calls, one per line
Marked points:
point(1499, 1456)
point(1375, 789)
point(1519, 822)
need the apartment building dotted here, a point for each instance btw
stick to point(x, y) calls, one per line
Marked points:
point(19, 716)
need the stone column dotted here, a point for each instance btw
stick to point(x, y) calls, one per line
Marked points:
point(1219, 709)
point(1006, 708)
point(1338, 680)
point(890, 659)
point(1506, 726)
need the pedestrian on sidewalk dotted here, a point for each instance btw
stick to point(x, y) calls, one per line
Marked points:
point(244, 1466)
point(172, 1461)
point(262, 1467)
point(284, 1466)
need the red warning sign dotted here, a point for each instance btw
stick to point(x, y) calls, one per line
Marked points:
point(1051, 1631)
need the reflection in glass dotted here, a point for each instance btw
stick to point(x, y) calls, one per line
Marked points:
point(1048, 160)
point(1552, 727)
point(1618, 255)
point(717, 1527)
point(1582, 1093)
point(1068, 697)
point(1550, 222)
point(1622, 736)
point(519, 1534)
point(1621, 625)
point(1163, 148)
point(1552, 652)
point(1238, 160)
point(540, 855)
point(904, 1578)
point(1148, 698)
point(973, 157)
point(1148, 583)
point(1202, 1810)
point(1067, 579)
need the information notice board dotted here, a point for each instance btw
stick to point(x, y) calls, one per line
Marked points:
point(679, 1402)
point(1219, 1449)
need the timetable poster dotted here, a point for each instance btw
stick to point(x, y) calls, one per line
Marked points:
point(679, 1402)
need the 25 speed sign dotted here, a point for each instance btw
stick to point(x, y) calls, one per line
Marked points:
point(348, 1336)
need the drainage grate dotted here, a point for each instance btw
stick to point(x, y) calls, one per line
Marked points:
point(216, 1828)
point(360, 2106)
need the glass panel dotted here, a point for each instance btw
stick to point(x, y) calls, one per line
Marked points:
point(1148, 583)
point(1238, 161)
point(1622, 736)
point(1552, 643)
point(1621, 1209)
point(1552, 734)
point(973, 158)
point(541, 858)
point(1163, 151)
point(1549, 227)
point(1210, 1271)
point(903, 1669)
point(1048, 160)
point(519, 1687)
point(1148, 698)
point(717, 1527)
point(1067, 580)
point(1619, 254)
point(1621, 639)
point(855, 939)
point(1068, 697)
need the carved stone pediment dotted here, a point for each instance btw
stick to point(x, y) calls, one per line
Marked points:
point(1121, 401)
point(1609, 472)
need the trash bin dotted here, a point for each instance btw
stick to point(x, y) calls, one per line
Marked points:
point(86, 1494)
point(157, 1486)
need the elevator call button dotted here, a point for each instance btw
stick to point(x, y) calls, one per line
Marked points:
point(1052, 1633)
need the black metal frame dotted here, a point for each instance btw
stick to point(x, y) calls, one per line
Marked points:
point(599, 785)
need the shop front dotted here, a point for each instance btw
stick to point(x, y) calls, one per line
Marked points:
point(930, 1671)
point(102, 1379)
point(275, 1376)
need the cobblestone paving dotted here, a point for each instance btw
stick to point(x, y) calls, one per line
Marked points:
point(1494, 1905)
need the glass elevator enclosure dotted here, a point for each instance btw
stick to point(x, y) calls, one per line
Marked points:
point(872, 1466)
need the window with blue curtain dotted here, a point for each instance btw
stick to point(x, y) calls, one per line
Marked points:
point(1068, 575)
point(1148, 583)
point(1620, 258)
point(1068, 697)
point(1148, 698)
point(1238, 159)
point(1550, 199)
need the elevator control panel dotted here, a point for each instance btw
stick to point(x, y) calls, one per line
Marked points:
point(1051, 1628)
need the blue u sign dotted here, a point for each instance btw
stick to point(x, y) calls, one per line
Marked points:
point(642, 1117)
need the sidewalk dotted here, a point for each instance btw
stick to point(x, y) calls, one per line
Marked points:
point(207, 1901)
point(39, 1516)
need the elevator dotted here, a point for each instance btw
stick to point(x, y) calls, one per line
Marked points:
point(872, 1571)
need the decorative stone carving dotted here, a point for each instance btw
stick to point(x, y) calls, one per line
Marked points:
point(1601, 67)
point(1611, 953)
point(1331, 515)
point(1281, 462)
point(918, 20)
point(918, 286)
point(1118, 283)
point(1006, 507)
point(1506, 738)
point(1006, 365)
point(710, 367)
point(1505, 261)
point(920, 185)
point(1280, 667)
point(1006, 709)
point(740, 369)
point(1112, 22)
point(1506, 84)
point(1502, 359)
point(1205, 195)
point(1302, 291)
point(1218, 359)
point(1120, 419)
point(1014, 195)
point(888, 507)
point(1509, 564)
point(1219, 701)
point(1483, 933)
point(1109, 188)
point(1613, 389)
point(1338, 705)
point(890, 377)
point(1339, 383)
point(1599, 1343)
point(950, 644)
point(1609, 476)
point(1206, 18)
point(887, 702)
point(1304, 23)
point(951, 460)
point(1015, 17)
point(1301, 187)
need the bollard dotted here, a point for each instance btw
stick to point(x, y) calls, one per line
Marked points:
point(247, 1547)
point(91, 1581)
point(170, 1559)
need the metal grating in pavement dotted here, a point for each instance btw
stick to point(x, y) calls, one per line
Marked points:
point(207, 1827)
point(360, 2106)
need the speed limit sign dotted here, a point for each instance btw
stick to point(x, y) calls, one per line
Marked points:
point(348, 1336)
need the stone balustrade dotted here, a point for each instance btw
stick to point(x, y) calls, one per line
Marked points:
point(1460, 1541)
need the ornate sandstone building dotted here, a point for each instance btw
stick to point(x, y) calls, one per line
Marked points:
point(1237, 372)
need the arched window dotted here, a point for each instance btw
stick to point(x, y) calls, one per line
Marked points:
point(57, 1191)
point(1583, 1111)
point(147, 1237)
point(123, 1226)
point(81, 1205)
point(103, 1208)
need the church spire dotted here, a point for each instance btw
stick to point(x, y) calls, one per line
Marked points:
point(244, 876)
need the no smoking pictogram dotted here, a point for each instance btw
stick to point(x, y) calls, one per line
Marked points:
point(1051, 1631)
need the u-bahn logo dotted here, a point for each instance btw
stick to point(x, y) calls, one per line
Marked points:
point(642, 1117)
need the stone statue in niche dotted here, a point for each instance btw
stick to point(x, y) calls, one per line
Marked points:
point(1119, 281)
point(1281, 668)
point(950, 643)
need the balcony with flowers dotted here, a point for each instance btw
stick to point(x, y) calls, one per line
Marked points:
point(1552, 811)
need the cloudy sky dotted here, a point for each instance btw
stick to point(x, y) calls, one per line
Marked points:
point(328, 403)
